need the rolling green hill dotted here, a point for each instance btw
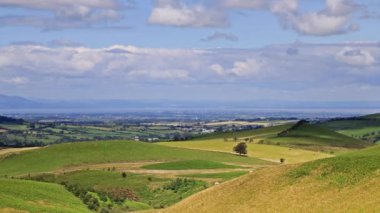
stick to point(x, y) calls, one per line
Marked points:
point(347, 183)
point(259, 133)
point(273, 143)
point(365, 128)
point(372, 116)
point(153, 175)
point(141, 191)
point(189, 164)
point(263, 151)
point(30, 196)
point(74, 154)
point(311, 136)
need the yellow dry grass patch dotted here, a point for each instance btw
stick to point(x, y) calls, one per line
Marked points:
point(16, 150)
point(11, 210)
point(265, 152)
point(267, 190)
point(135, 167)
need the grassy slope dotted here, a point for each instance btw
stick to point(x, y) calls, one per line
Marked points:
point(268, 152)
point(307, 135)
point(33, 196)
point(366, 127)
point(70, 154)
point(146, 187)
point(223, 176)
point(347, 183)
point(373, 116)
point(257, 133)
point(189, 164)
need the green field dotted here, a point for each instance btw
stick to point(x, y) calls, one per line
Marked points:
point(122, 176)
point(315, 137)
point(75, 154)
point(346, 169)
point(262, 151)
point(147, 191)
point(256, 133)
point(304, 143)
point(366, 128)
point(346, 183)
point(189, 164)
point(37, 197)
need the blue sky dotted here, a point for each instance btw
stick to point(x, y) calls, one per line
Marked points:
point(301, 50)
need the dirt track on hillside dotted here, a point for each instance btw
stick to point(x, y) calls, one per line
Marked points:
point(16, 150)
point(135, 167)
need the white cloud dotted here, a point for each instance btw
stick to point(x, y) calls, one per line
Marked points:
point(64, 13)
point(341, 7)
point(321, 24)
point(244, 68)
point(335, 18)
point(304, 63)
point(284, 7)
point(356, 57)
point(218, 69)
point(177, 13)
point(247, 68)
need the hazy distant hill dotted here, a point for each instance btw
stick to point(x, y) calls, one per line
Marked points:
point(15, 102)
point(4, 119)
point(11, 102)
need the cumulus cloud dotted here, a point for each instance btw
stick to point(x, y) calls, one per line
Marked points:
point(246, 68)
point(299, 62)
point(320, 24)
point(276, 70)
point(177, 13)
point(221, 36)
point(341, 7)
point(355, 57)
point(335, 18)
point(64, 13)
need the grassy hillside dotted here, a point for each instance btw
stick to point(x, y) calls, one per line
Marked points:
point(262, 151)
point(366, 128)
point(145, 190)
point(222, 176)
point(347, 183)
point(316, 137)
point(372, 116)
point(295, 135)
point(30, 196)
point(189, 164)
point(286, 141)
point(65, 155)
point(258, 133)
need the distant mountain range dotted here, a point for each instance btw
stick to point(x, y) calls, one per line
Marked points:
point(16, 103)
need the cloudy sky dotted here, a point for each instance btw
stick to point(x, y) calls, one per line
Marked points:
point(298, 50)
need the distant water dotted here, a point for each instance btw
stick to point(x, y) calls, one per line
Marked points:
point(193, 113)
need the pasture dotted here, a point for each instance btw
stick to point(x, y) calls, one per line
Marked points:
point(30, 196)
point(268, 152)
point(347, 183)
point(59, 156)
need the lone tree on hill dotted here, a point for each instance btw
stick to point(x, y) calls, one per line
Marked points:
point(241, 148)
